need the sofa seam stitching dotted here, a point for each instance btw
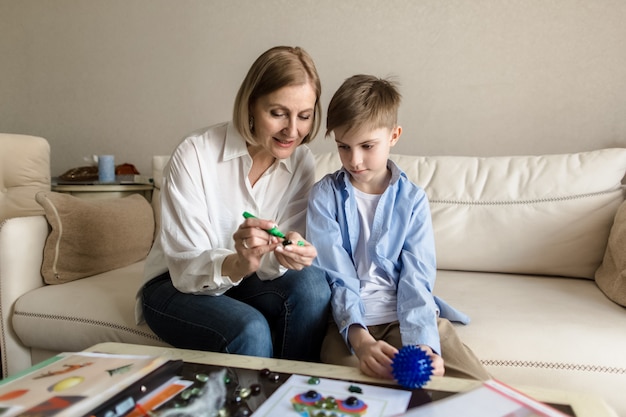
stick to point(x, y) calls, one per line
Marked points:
point(3, 349)
point(521, 202)
point(554, 365)
point(87, 321)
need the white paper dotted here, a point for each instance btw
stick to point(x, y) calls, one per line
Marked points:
point(381, 402)
point(493, 399)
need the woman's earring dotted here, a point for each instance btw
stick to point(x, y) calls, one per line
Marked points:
point(251, 122)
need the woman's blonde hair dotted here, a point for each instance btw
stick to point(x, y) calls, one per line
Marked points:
point(278, 67)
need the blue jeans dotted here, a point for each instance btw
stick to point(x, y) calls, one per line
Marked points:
point(284, 318)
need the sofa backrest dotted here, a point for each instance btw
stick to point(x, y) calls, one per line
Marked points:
point(546, 215)
point(24, 171)
point(158, 164)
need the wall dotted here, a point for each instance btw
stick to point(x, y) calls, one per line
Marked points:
point(479, 77)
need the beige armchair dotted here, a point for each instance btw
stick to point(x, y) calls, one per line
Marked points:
point(24, 171)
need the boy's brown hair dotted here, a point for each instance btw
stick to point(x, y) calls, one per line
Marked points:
point(364, 100)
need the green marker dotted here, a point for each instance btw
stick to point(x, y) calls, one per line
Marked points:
point(273, 231)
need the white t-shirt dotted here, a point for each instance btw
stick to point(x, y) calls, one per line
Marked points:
point(378, 292)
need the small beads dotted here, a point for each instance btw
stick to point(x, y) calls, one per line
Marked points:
point(256, 389)
point(313, 381)
point(355, 389)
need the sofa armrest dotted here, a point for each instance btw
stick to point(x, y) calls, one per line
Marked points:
point(22, 240)
point(25, 170)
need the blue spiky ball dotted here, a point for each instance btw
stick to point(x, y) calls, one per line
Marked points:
point(411, 367)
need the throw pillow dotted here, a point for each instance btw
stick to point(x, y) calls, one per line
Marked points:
point(88, 237)
point(611, 275)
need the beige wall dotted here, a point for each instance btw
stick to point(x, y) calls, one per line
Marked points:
point(479, 77)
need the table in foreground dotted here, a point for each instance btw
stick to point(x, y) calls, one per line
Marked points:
point(583, 405)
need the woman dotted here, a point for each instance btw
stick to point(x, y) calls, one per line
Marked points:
point(218, 281)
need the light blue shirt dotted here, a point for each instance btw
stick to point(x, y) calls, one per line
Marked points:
point(401, 245)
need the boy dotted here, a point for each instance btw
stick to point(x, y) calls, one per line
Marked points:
point(373, 232)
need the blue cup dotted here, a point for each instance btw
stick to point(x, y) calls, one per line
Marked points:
point(106, 168)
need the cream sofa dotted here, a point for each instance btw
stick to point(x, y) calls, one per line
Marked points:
point(519, 240)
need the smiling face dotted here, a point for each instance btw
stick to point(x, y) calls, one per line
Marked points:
point(364, 153)
point(282, 119)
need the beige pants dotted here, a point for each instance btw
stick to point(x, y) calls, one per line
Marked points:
point(459, 360)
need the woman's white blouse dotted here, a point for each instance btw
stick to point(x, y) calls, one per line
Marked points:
point(204, 194)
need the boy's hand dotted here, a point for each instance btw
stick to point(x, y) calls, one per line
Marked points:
point(296, 255)
point(375, 356)
point(437, 361)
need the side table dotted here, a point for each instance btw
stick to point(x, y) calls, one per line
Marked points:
point(102, 191)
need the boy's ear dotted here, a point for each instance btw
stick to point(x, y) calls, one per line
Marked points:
point(396, 132)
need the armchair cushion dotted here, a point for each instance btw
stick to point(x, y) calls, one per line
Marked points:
point(88, 237)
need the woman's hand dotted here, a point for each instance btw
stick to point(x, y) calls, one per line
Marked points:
point(251, 243)
point(298, 254)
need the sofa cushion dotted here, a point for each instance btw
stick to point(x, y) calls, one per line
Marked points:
point(546, 215)
point(73, 316)
point(611, 276)
point(558, 333)
point(88, 237)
